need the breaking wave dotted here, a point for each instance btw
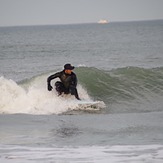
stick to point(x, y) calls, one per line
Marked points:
point(30, 96)
point(129, 89)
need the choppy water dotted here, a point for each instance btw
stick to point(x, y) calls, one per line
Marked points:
point(118, 64)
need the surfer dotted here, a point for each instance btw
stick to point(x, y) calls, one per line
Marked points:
point(67, 83)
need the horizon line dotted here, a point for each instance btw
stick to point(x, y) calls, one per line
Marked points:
point(50, 24)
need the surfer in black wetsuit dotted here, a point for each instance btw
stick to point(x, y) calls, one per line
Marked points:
point(67, 83)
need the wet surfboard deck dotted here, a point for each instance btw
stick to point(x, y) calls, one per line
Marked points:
point(82, 104)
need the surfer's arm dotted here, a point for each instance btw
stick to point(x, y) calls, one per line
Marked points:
point(74, 80)
point(73, 86)
point(51, 78)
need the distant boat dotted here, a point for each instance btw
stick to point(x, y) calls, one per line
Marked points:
point(102, 21)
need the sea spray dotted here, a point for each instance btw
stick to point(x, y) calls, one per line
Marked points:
point(32, 97)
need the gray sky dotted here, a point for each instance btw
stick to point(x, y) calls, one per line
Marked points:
point(36, 12)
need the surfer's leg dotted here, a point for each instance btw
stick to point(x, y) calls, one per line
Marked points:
point(74, 92)
point(59, 87)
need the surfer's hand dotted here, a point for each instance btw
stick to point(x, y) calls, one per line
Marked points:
point(49, 87)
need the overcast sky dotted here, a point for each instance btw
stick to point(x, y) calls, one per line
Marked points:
point(36, 12)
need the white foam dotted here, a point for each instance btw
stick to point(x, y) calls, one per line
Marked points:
point(104, 154)
point(33, 98)
point(81, 65)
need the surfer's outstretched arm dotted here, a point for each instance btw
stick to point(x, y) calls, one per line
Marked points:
point(51, 78)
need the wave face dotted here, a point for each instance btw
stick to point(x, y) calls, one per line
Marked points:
point(128, 89)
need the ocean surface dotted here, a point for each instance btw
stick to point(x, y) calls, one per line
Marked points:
point(119, 65)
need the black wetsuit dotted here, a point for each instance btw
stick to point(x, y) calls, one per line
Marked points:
point(67, 83)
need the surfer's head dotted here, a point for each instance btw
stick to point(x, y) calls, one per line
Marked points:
point(68, 68)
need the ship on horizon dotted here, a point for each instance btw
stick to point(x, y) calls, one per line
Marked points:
point(102, 21)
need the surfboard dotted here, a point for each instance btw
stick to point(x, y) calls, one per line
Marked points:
point(90, 105)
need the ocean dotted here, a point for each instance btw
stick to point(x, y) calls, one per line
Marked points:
point(119, 65)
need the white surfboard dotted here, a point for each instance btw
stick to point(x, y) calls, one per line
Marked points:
point(90, 105)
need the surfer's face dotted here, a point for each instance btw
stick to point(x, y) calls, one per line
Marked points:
point(68, 71)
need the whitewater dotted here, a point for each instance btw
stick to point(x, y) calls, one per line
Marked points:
point(32, 97)
point(118, 65)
